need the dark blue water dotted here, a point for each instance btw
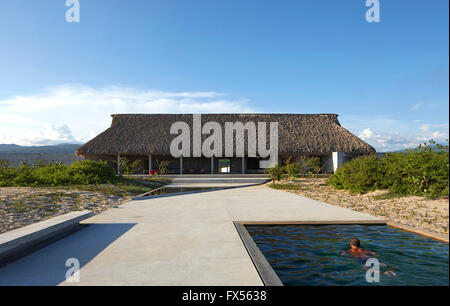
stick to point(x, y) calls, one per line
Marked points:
point(311, 255)
point(172, 190)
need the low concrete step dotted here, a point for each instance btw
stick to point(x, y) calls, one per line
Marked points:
point(21, 241)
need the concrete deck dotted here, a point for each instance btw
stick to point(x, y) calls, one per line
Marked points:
point(176, 240)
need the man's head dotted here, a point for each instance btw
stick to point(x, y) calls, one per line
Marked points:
point(355, 243)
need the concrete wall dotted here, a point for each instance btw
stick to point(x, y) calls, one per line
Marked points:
point(338, 160)
point(328, 164)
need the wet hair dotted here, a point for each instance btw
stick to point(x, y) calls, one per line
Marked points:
point(355, 242)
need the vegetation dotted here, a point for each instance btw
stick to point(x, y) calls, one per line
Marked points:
point(289, 186)
point(362, 174)
point(57, 174)
point(3, 163)
point(314, 165)
point(122, 187)
point(127, 167)
point(162, 166)
point(292, 169)
point(276, 173)
point(420, 171)
point(303, 165)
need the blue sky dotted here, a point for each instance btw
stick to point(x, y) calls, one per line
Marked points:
point(388, 81)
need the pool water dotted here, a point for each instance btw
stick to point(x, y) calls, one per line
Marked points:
point(172, 190)
point(311, 255)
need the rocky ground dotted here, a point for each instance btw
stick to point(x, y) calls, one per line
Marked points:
point(431, 215)
point(20, 206)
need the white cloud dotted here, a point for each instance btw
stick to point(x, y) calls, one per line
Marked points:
point(366, 134)
point(384, 142)
point(416, 106)
point(422, 106)
point(388, 133)
point(50, 135)
point(76, 113)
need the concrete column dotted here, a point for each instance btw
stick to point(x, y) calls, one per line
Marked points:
point(212, 165)
point(338, 160)
point(243, 164)
point(181, 165)
point(150, 163)
point(118, 164)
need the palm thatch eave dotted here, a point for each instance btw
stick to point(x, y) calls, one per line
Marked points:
point(299, 134)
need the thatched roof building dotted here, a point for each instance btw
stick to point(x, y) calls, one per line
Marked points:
point(143, 134)
point(298, 134)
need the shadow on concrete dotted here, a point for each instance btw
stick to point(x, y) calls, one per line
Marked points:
point(47, 266)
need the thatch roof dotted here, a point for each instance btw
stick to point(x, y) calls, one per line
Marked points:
point(298, 134)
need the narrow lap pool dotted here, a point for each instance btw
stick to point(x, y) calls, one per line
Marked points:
point(172, 190)
point(311, 255)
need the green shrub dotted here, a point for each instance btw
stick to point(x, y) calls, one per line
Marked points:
point(292, 169)
point(276, 173)
point(57, 174)
point(303, 165)
point(91, 172)
point(420, 171)
point(162, 166)
point(127, 167)
point(314, 164)
point(362, 174)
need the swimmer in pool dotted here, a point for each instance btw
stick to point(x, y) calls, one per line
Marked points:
point(363, 255)
point(357, 252)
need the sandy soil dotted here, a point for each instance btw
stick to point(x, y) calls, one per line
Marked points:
point(418, 212)
point(20, 206)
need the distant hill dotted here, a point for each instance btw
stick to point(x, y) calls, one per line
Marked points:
point(60, 148)
point(16, 154)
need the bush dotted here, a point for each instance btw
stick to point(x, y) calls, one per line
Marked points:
point(276, 173)
point(57, 174)
point(362, 174)
point(314, 164)
point(127, 167)
point(91, 172)
point(303, 165)
point(162, 166)
point(420, 171)
point(292, 169)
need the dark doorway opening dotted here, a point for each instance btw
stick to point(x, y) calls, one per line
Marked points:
point(224, 166)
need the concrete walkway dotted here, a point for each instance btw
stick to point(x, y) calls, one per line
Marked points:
point(174, 240)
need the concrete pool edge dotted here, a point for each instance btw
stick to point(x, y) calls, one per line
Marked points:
point(263, 267)
point(146, 196)
point(421, 232)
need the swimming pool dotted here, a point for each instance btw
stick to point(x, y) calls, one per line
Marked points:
point(311, 255)
point(173, 190)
